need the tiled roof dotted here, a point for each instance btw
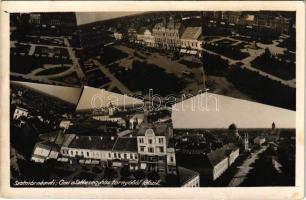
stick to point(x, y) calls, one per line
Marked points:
point(186, 175)
point(159, 129)
point(215, 157)
point(126, 144)
point(192, 33)
point(93, 142)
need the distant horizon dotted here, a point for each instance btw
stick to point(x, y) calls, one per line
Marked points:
point(280, 128)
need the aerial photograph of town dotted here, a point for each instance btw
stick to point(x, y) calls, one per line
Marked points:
point(152, 99)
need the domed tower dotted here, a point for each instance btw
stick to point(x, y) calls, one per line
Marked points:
point(233, 135)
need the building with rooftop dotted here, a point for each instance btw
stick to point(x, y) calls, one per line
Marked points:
point(188, 177)
point(45, 150)
point(20, 112)
point(211, 165)
point(167, 34)
point(191, 42)
point(154, 148)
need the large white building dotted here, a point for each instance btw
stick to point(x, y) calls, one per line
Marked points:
point(148, 38)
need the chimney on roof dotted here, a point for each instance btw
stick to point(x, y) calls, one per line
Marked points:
point(101, 138)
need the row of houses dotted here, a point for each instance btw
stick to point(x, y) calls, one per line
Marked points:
point(168, 35)
point(213, 164)
point(276, 23)
point(149, 149)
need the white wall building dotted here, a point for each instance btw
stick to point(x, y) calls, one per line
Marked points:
point(45, 150)
point(20, 112)
point(118, 36)
point(191, 42)
point(148, 38)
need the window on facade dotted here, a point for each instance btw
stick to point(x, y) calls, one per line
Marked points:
point(135, 156)
point(71, 152)
point(150, 141)
point(109, 155)
point(161, 140)
point(161, 149)
point(171, 158)
point(151, 150)
point(87, 153)
point(115, 155)
point(131, 156)
point(141, 140)
point(142, 149)
point(119, 155)
point(125, 156)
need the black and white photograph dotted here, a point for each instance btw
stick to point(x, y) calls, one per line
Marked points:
point(153, 99)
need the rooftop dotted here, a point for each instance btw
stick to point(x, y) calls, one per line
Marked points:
point(93, 142)
point(192, 33)
point(160, 129)
point(186, 174)
point(126, 144)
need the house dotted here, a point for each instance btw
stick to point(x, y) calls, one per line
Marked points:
point(118, 35)
point(132, 34)
point(125, 152)
point(188, 177)
point(154, 149)
point(167, 34)
point(91, 148)
point(212, 165)
point(148, 38)
point(45, 150)
point(191, 42)
point(20, 112)
point(65, 124)
point(140, 35)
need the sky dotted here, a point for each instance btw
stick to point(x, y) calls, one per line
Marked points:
point(210, 110)
point(89, 17)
